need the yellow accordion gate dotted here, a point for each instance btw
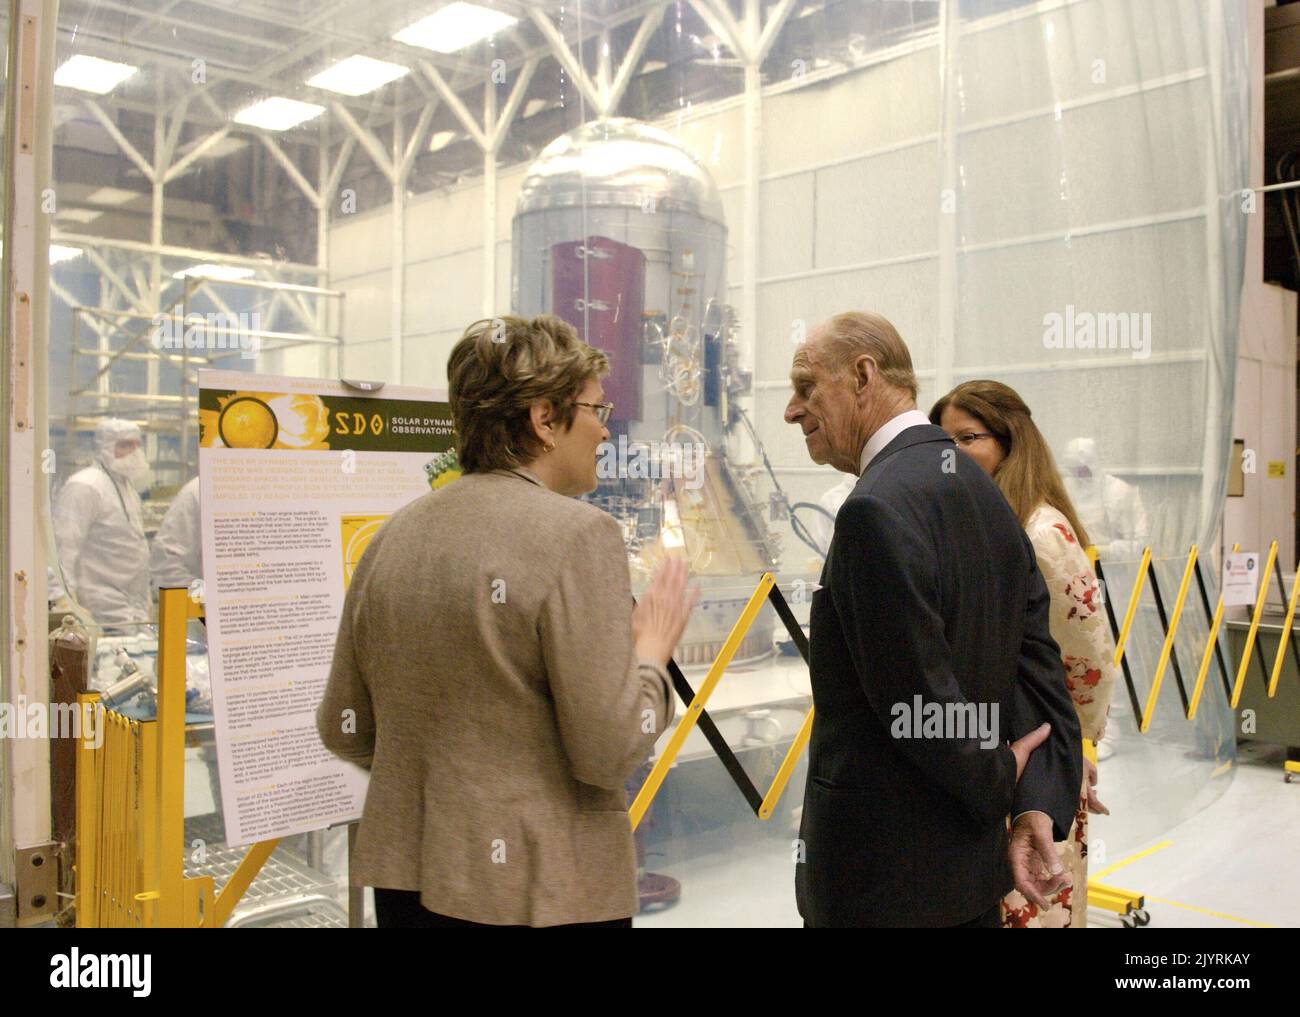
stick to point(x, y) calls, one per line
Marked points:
point(130, 786)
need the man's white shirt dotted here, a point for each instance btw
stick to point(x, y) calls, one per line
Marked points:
point(888, 431)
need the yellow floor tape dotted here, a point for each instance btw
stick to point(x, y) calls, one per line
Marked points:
point(1131, 859)
point(1173, 903)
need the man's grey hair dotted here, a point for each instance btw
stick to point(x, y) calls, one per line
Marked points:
point(850, 335)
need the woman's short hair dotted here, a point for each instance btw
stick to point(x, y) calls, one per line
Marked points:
point(498, 369)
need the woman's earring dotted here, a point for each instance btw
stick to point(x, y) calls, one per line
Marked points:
point(550, 448)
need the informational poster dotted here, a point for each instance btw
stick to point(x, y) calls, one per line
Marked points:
point(1240, 579)
point(296, 476)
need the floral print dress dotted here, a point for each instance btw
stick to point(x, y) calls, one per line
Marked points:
point(1080, 628)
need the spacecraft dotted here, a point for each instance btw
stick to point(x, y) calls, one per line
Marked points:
point(619, 231)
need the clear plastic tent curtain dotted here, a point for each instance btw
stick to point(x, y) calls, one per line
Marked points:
point(1086, 248)
point(1050, 195)
point(1096, 158)
point(1046, 193)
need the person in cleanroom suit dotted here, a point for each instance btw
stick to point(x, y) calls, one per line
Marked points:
point(99, 529)
point(177, 554)
point(1111, 509)
point(822, 526)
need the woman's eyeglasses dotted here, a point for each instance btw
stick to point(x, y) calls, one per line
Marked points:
point(602, 410)
point(968, 438)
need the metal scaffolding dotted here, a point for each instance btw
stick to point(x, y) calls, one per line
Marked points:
point(391, 133)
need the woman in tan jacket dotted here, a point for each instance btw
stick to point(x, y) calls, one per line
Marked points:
point(490, 668)
point(992, 424)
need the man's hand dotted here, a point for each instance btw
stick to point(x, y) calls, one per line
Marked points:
point(1024, 746)
point(1090, 788)
point(1035, 865)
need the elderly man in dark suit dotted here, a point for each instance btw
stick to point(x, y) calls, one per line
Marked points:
point(930, 650)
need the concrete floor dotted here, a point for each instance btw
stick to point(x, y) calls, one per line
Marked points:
point(1235, 864)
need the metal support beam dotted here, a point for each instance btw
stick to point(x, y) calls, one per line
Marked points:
point(397, 263)
point(612, 94)
point(775, 22)
point(325, 174)
point(416, 139)
point(197, 152)
point(498, 127)
point(367, 141)
point(603, 73)
point(948, 196)
point(164, 140)
point(722, 24)
point(454, 102)
point(171, 251)
point(560, 50)
point(750, 227)
point(119, 138)
point(293, 172)
point(490, 202)
point(133, 299)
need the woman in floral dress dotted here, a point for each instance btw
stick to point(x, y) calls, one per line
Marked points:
point(992, 424)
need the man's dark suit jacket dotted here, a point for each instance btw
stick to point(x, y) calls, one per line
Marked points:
point(930, 588)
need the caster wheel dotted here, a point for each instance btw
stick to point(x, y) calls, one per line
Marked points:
point(1287, 778)
point(1141, 918)
point(1128, 921)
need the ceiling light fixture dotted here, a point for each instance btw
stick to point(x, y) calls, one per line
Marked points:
point(112, 196)
point(441, 139)
point(59, 253)
point(91, 74)
point(454, 27)
point(357, 75)
point(278, 113)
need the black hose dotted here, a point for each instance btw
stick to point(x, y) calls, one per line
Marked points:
point(796, 525)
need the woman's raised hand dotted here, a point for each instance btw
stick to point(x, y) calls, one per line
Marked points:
point(661, 614)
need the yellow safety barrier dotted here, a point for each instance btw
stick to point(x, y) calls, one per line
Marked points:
point(1132, 605)
point(130, 789)
point(1209, 652)
point(1233, 690)
point(240, 880)
point(130, 803)
point(660, 770)
point(1284, 636)
point(173, 613)
point(1128, 904)
point(786, 768)
point(1168, 647)
point(1254, 625)
point(112, 877)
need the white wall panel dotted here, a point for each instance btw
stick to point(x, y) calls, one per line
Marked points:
point(880, 207)
point(443, 293)
point(880, 106)
point(787, 226)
